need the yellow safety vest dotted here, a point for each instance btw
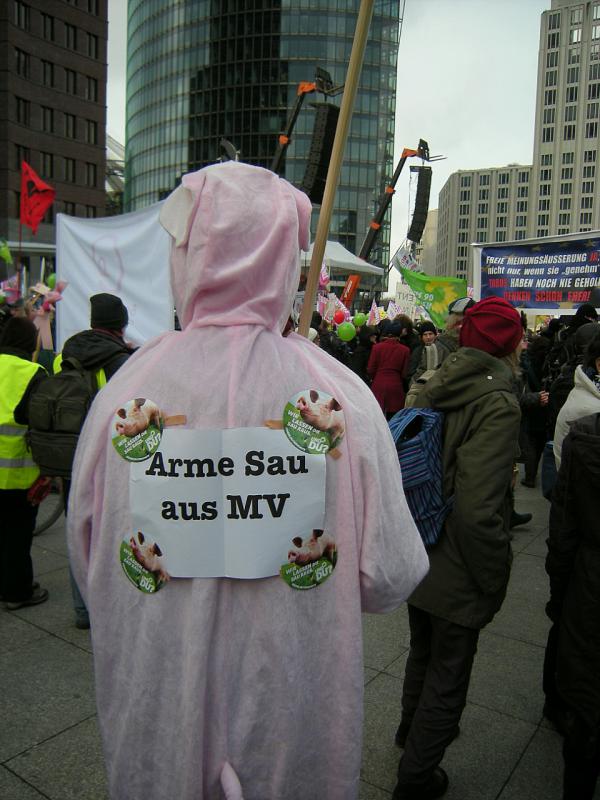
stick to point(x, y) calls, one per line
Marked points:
point(17, 468)
point(100, 374)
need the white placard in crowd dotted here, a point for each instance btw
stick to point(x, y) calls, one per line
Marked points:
point(226, 502)
point(125, 255)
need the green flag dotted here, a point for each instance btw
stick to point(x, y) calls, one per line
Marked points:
point(5, 252)
point(433, 293)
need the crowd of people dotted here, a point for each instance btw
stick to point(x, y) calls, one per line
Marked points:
point(246, 665)
point(553, 377)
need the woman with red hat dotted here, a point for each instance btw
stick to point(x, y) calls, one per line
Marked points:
point(470, 563)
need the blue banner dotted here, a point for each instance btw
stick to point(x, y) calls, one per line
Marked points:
point(549, 275)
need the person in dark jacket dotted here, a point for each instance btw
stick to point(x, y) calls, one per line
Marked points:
point(388, 365)
point(367, 337)
point(102, 347)
point(408, 335)
point(563, 349)
point(103, 350)
point(470, 563)
point(573, 564)
point(534, 407)
point(427, 336)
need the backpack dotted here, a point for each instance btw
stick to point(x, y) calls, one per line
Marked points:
point(432, 362)
point(418, 434)
point(561, 353)
point(57, 410)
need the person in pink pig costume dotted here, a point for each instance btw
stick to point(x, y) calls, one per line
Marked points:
point(227, 688)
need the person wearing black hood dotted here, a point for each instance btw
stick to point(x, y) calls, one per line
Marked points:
point(103, 350)
point(564, 348)
point(18, 472)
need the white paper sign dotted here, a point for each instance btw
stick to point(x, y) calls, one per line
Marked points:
point(226, 503)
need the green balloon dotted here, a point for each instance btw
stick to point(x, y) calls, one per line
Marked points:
point(359, 320)
point(346, 331)
point(51, 281)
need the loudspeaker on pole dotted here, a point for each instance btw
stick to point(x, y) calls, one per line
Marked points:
point(317, 164)
point(421, 205)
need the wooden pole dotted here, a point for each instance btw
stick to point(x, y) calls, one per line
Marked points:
point(335, 162)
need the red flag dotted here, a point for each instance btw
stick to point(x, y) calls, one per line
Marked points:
point(36, 197)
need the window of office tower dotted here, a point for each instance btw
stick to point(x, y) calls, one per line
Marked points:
point(554, 21)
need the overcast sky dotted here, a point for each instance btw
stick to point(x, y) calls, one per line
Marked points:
point(466, 84)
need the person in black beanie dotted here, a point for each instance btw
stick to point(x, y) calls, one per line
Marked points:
point(18, 472)
point(103, 350)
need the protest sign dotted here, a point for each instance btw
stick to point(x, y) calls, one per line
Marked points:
point(224, 503)
point(557, 274)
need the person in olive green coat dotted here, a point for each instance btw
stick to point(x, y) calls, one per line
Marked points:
point(470, 564)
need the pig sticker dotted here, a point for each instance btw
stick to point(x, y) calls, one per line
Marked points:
point(136, 429)
point(318, 545)
point(143, 563)
point(314, 422)
point(138, 417)
point(310, 561)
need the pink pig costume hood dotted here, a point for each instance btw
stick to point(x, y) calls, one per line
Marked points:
point(218, 688)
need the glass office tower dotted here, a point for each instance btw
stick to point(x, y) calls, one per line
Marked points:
point(202, 70)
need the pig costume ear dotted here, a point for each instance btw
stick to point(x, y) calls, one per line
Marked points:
point(297, 540)
point(317, 533)
point(334, 405)
point(314, 396)
point(177, 214)
point(304, 209)
point(157, 550)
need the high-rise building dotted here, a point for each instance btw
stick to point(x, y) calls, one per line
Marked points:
point(202, 70)
point(483, 205)
point(557, 193)
point(53, 91)
point(566, 120)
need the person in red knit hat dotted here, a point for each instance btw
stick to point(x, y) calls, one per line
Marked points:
point(491, 326)
point(470, 563)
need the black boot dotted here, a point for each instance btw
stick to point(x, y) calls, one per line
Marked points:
point(435, 786)
point(517, 519)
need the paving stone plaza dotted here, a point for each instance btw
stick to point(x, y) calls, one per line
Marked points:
point(49, 742)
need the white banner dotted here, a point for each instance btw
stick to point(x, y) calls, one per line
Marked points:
point(225, 503)
point(125, 255)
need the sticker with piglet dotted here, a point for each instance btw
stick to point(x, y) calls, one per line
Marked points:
point(137, 426)
point(310, 560)
point(314, 422)
point(144, 563)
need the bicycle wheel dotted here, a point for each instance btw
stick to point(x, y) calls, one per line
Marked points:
point(49, 509)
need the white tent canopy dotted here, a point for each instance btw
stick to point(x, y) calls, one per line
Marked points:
point(337, 257)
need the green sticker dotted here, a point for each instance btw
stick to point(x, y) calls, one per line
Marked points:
point(142, 562)
point(310, 561)
point(314, 422)
point(136, 429)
